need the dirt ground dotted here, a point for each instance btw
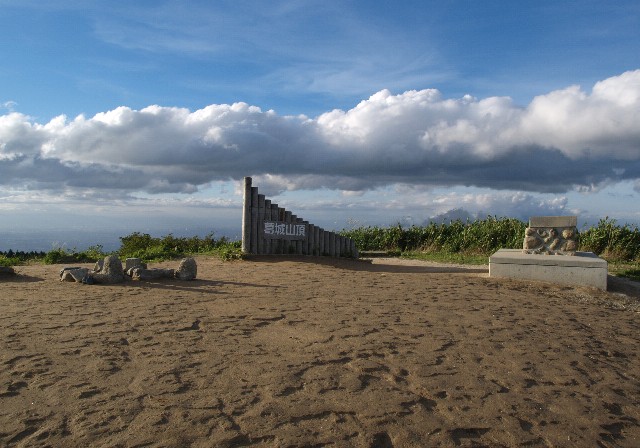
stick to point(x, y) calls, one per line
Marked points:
point(293, 351)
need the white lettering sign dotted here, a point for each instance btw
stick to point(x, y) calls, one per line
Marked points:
point(285, 231)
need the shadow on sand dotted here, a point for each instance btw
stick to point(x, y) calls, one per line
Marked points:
point(197, 285)
point(624, 286)
point(367, 265)
point(615, 285)
point(19, 278)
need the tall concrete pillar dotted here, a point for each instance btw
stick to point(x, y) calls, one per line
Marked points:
point(275, 244)
point(310, 239)
point(267, 217)
point(288, 246)
point(299, 243)
point(254, 221)
point(260, 248)
point(332, 244)
point(246, 216)
point(315, 250)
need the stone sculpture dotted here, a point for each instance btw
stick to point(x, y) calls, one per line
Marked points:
point(140, 273)
point(187, 269)
point(131, 263)
point(551, 235)
point(74, 274)
point(110, 270)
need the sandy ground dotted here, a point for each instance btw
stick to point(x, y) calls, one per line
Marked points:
point(283, 351)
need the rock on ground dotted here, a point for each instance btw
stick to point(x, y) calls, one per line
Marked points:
point(111, 271)
point(73, 274)
point(151, 274)
point(187, 270)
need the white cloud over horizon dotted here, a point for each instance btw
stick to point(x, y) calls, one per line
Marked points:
point(563, 140)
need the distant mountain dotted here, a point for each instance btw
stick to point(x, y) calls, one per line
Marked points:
point(452, 215)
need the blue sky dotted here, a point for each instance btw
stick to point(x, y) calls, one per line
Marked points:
point(368, 112)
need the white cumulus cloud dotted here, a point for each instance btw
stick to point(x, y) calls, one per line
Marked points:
point(562, 140)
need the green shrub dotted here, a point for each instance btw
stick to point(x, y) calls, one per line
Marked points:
point(134, 243)
point(230, 251)
point(612, 241)
point(481, 237)
point(148, 248)
point(60, 255)
point(56, 256)
point(7, 262)
point(94, 253)
point(13, 258)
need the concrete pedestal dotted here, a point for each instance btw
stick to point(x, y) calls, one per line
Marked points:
point(583, 269)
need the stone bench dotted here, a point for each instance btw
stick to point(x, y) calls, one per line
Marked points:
point(582, 269)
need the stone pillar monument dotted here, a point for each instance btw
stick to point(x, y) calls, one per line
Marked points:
point(549, 254)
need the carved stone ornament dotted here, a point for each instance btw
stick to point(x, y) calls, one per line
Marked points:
point(551, 235)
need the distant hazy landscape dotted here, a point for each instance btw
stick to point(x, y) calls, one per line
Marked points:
point(81, 239)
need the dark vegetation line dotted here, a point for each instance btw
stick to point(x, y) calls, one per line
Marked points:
point(135, 245)
point(455, 241)
point(474, 241)
point(483, 237)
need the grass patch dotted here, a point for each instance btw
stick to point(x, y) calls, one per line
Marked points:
point(633, 274)
point(230, 251)
point(627, 270)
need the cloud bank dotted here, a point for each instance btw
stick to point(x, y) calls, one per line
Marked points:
point(562, 140)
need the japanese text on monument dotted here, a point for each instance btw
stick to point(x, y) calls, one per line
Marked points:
point(283, 230)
